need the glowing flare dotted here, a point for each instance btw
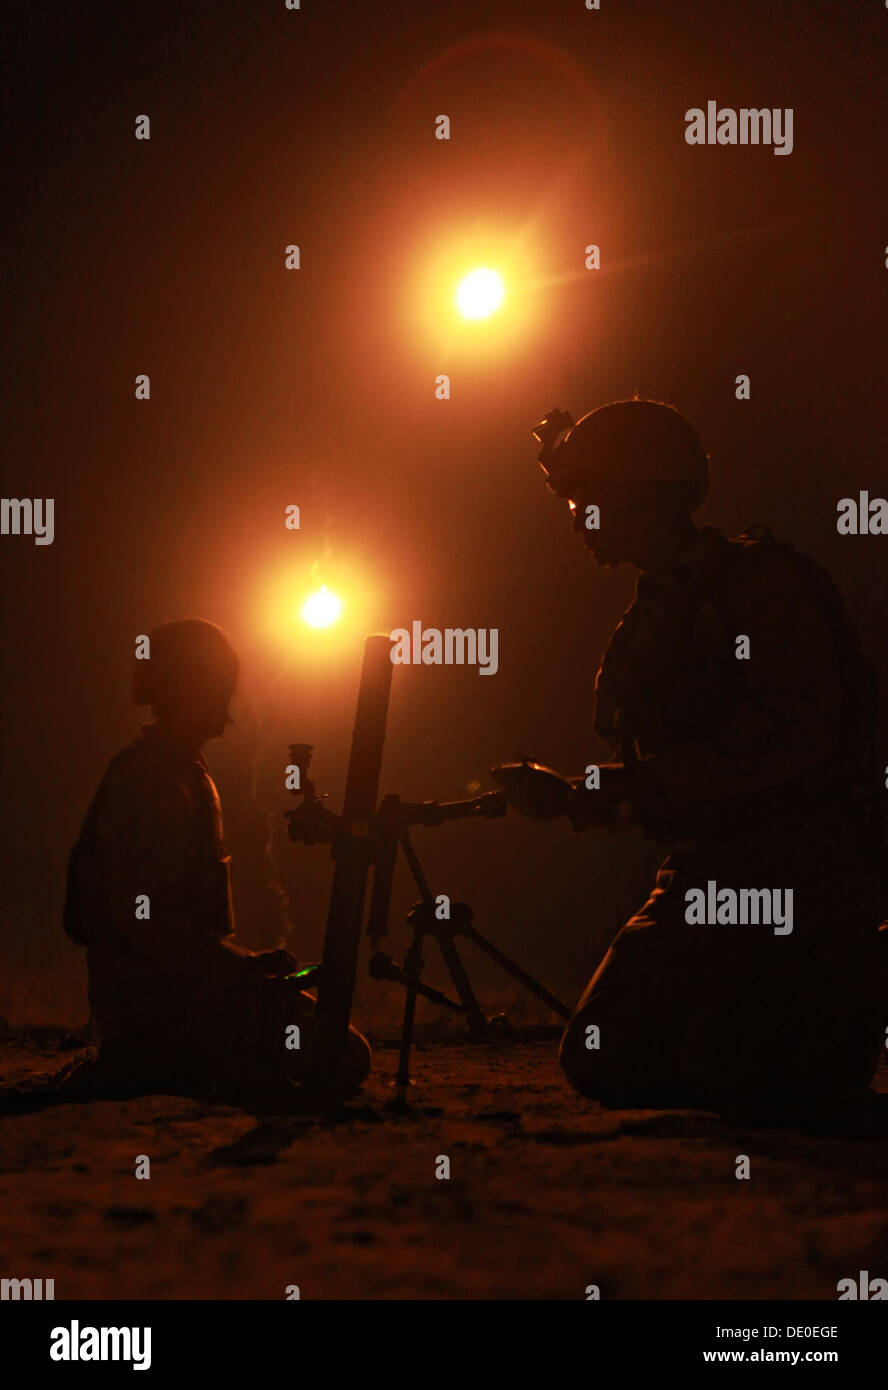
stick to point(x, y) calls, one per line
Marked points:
point(479, 294)
point(322, 608)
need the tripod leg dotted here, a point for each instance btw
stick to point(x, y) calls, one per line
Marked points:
point(528, 981)
point(382, 967)
point(413, 970)
point(476, 1020)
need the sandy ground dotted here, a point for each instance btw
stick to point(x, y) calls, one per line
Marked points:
point(547, 1194)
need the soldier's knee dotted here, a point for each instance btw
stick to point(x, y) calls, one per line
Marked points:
point(307, 1067)
point(611, 1052)
point(580, 1057)
point(574, 1073)
point(358, 1059)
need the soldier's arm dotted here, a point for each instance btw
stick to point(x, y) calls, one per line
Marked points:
point(142, 835)
point(786, 715)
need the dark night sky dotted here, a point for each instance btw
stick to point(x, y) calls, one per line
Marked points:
point(316, 387)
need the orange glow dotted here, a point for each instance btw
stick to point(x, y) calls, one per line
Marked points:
point(315, 611)
point(480, 293)
point(321, 608)
point(456, 296)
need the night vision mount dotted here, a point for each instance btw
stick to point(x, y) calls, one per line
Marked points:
point(548, 432)
point(555, 423)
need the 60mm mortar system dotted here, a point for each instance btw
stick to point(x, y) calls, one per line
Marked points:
point(367, 837)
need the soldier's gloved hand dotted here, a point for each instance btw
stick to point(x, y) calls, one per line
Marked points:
point(607, 806)
point(276, 963)
point(537, 792)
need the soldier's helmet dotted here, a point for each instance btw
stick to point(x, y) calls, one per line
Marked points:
point(626, 442)
point(185, 657)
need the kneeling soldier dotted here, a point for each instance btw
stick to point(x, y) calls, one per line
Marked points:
point(178, 1005)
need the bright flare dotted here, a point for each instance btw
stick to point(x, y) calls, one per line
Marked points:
point(322, 608)
point(479, 294)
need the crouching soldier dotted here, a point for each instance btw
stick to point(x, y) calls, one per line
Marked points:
point(179, 1006)
point(741, 716)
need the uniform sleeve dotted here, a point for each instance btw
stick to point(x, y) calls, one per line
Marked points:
point(787, 712)
point(142, 836)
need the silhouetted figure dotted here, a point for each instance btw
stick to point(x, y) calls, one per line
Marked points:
point(753, 761)
point(179, 1006)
